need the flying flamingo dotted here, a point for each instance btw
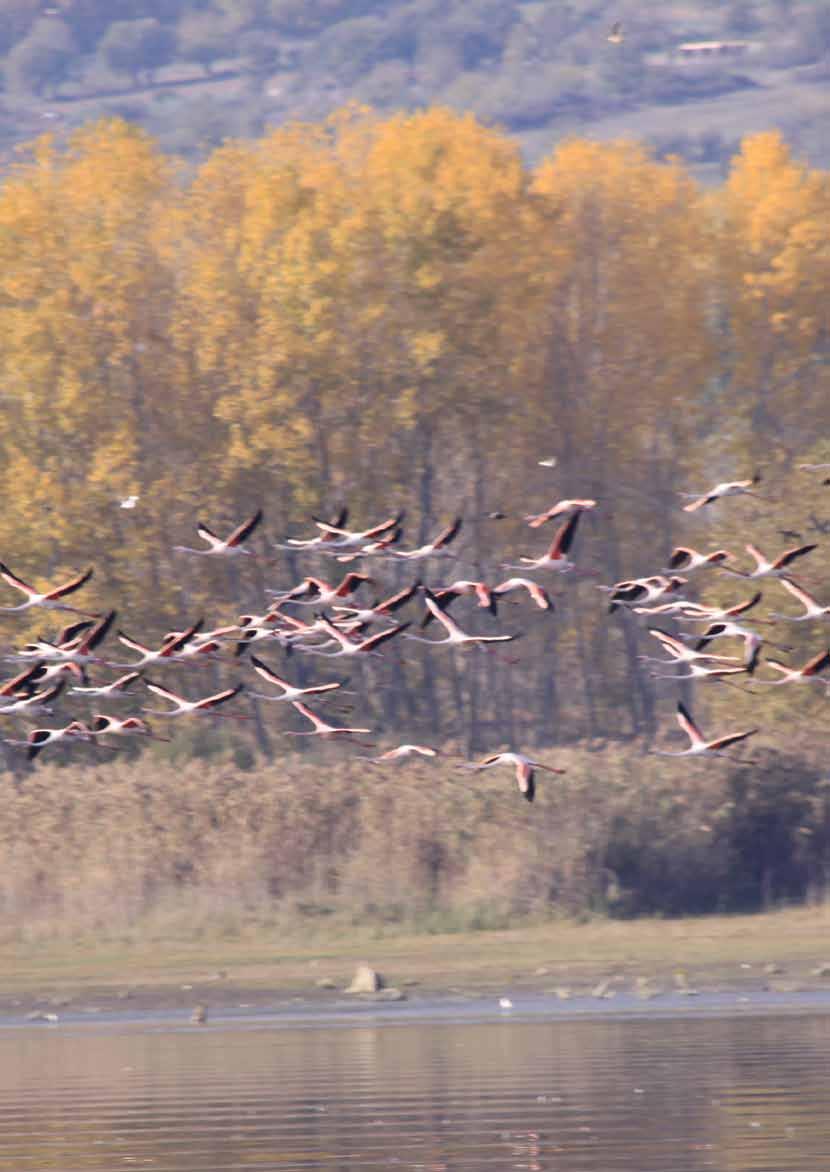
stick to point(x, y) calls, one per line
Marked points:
point(37, 702)
point(699, 671)
point(730, 630)
point(321, 728)
point(49, 600)
point(728, 488)
point(455, 635)
point(401, 754)
point(316, 592)
point(537, 593)
point(808, 674)
point(24, 681)
point(534, 520)
point(339, 540)
point(76, 643)
point(679, 652)
point(165, 654)
point(812, 607)
point(203, 707)
point(383, 609)
point(556, 556)
point(694, 612)
point(643, 590)
point(524, 766)
point(289, 691)
point(684, 559)
point(116, 688)
point(231, 546)
point(764, 568)
point(312, 543)
point(438, 546)
point(347, 647)
point(129, 727)
point(699, 746)
point(374, 549)
point(446, 595)
point(39, 738)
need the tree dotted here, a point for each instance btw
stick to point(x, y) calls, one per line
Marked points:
point(137, 47)
point(43, 59)
point(203, 38)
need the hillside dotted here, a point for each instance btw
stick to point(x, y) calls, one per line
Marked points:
point(194, 73)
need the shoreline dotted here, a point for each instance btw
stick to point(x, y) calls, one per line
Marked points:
point(779, 953)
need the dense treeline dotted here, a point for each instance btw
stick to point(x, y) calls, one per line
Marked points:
point(195, 71)
point(400, 314)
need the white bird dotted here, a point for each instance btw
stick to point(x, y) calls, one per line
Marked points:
point(812, 607)
point(643, 590)
point(49, 599)
point(289, 691)
point(728, 488)
point(699, 671)
point(524, 767)
point(129, 502)
point(400, 754)
point(76, 643)
point(316, 592)
point(203, 707)
point(455, 635)
point(808, 674)
point(699, 746)
point(764, 568)
point(38, 702)
point(680, 653)
point(116, 688)
point(432, 548)
point(380, 610)
point(165, 654)
point(373, 549)
point(321, 727)
point(347, 646)
point(694, 612)
point(339, 540)
point(130, 726)
point(231, 546)
point(534, 520)
point(39, 738)
point(556, 556)
point(685, 559)
point(537, 593)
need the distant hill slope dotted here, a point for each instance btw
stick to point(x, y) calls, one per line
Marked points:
point(691, 77)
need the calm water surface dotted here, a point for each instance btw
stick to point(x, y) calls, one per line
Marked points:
point(645, 1094)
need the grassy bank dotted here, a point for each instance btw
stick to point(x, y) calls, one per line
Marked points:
point(718, 952)
point(145, 851)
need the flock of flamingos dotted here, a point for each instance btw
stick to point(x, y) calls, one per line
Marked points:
point(341, 628)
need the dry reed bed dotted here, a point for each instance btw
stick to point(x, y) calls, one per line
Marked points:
point(102, 849)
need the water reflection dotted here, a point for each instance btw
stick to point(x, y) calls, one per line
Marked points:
point(640, 1096)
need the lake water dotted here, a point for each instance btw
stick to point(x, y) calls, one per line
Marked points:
point(455, 1088)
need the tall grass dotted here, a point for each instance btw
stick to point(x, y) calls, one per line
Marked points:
point(208, 846)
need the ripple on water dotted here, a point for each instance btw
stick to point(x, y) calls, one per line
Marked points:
point(748, 1094)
